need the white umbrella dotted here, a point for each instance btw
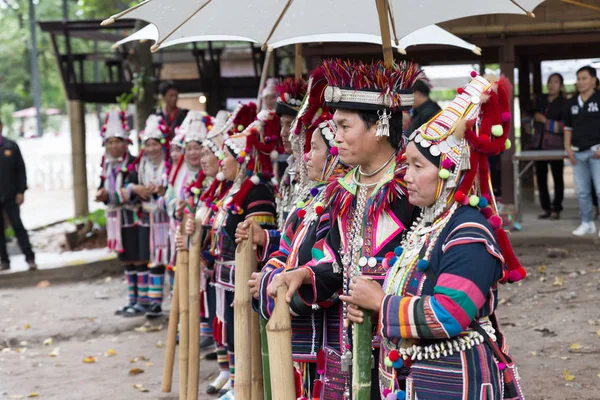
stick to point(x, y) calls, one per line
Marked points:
point(274, 21)
point(429, 35)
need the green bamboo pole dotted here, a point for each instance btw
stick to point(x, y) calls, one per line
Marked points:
point(264, 346)
point(362, 358)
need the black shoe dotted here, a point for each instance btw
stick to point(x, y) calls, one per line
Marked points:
point(206, 342)
point(554, 216)
point(545, 215)
point(211, 356)
point(122, 310)
point(4, 266)
point(136, 311)
point(155, 311)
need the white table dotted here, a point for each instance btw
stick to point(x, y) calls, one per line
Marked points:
point(530, 156)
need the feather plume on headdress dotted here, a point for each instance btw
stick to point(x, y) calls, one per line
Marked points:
point(290, 93)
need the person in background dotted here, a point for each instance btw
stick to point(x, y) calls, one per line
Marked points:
point(172, 115)
point(423, 108)
point(549, 116)
point(269, 94)
point(13, 183)
point(582, 142)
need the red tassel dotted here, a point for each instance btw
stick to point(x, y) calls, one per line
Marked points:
point(321, 362)
point(511, 260)
point(298, 383)
point(317, 388)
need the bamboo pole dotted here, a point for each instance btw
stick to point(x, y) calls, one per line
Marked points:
point(362, 336)
point(279, 334)
point(298, 60)
point(384, 26)
point(184, 322)
point(264, 351)
point(194, 296)
point(258, 392)
point(167, 380)
point(245, 264)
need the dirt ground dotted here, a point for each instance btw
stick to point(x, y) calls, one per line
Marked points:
point(552, 322)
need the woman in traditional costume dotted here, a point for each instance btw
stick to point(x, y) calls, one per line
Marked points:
point(368, 207)
point(116, 190)
point(248, 162)
point(151, 167)
point(436, 309)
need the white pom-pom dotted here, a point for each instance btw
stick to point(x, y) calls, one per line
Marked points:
point(255, 179)
point(274, 155)
point(274, 182)
point(220, 176)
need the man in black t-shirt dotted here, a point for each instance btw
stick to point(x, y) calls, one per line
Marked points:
point(582, 142)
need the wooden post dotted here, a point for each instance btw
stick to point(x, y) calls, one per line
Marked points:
point(507, 66)
point(194, 296)
point(384, 26)
point(298, 61)
point(184, 314)
point(279, 334)
point(76, 113)
point(172, 333)
point(258, 391)
point(245, 264)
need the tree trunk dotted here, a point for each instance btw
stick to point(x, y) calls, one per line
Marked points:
point(141, 62)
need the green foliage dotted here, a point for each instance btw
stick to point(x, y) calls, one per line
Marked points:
point(9, 233)
point(98, 218)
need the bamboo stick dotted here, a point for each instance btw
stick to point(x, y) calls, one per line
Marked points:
point(194, 296)
point(384, 26)
point(258, 392)
point(167, 380)
point(362, 358)
point(184, 322)
point(279, 334)
point(245, 264)
point(264, 351)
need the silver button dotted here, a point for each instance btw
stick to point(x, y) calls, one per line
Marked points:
point(372, 262)
point(362, 261)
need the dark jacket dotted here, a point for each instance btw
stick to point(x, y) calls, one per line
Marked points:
point(13, 178)
point(176, 121)
point(422, 115)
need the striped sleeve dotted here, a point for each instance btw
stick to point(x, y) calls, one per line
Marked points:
point(470, 265)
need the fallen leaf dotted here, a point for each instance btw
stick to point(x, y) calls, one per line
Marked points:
point(141, 329)
point(575, 346)
point(598, 374)
point(48, 342)
point(148, 364)
point(136, 371)
point(55, 352)
point(92, 319)
point(542, 269)
point(534, 353)
point(569, 377)
point(42, 285)
point(89, 360)
point(140, 387)
point(33, 394)
point(558, 281)
point(110, 353)
point(160, 344)
point(564, 358)
point(27, 326)
point(16, 396)
point(133, 360)
point(143, 358)
point(598, 332)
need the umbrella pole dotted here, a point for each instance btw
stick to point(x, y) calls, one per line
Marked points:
point(167, 379)
point(245, 264)
point(384, 26)
point(263, 76)
point(298, 60)
point(184, 322)
point(258, 390)
point(194, 296)
point(279, 334)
